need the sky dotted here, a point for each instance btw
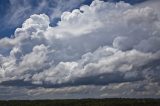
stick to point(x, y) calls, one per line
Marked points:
point(72, 49)
point(14, 12)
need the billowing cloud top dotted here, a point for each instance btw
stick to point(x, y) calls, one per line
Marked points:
point(101, 44)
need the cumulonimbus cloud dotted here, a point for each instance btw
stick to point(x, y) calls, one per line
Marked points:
point(99, 44)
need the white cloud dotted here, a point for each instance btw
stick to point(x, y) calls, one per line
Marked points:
point(18, 11)
point(100, 44)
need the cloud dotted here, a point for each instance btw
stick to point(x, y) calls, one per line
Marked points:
point(101, 44)
point(21, 10)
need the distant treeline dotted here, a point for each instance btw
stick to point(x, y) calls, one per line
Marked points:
point(83, 102)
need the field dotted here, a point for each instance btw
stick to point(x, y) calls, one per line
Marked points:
point(83, 102)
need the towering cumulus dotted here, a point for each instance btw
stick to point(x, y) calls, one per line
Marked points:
point(112, 49)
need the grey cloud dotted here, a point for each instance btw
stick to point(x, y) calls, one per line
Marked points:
point(101, 44)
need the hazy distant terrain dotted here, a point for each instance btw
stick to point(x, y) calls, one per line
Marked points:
point(84, 102)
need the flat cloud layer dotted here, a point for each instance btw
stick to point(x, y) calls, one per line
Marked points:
point(97, 45)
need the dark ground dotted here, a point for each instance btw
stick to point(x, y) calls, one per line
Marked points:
point(84, 102)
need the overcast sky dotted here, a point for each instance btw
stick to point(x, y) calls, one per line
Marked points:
point(62, 49)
